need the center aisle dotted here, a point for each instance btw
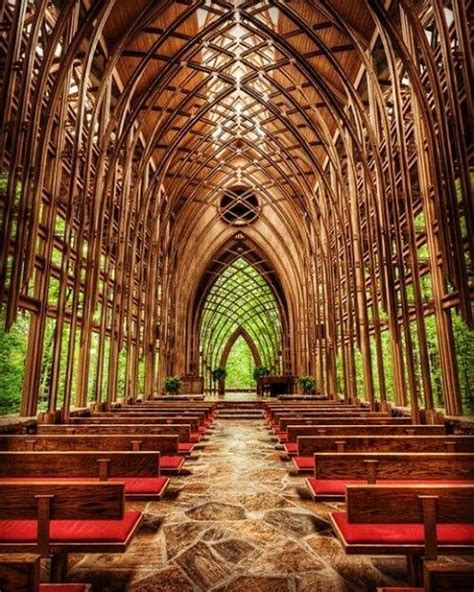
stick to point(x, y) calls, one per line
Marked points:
point(235, 522)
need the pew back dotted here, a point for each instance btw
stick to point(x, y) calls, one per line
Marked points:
point(166, 444)
point(329, 421)
point(181, 430)
point(78, 501)
point(401, 465)
point(308, 445)
point(194, 422)
point(403, 504)
point(79, 464)
point(296, 430)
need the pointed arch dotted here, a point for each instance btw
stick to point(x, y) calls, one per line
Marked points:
point(240, 332)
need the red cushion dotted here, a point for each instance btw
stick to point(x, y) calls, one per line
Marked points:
point(63, 587)
point(171, 463)
point(185, 447)
point(401, 534)
point(195, 437)
point(331, 486)
point(338, 486)
point(282, 437)
point(202, 429)
point(143, 485)
point(304, 463)
point(291, 448)
point(72, 531)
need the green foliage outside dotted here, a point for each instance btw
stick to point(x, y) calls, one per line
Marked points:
point(13, 348)
point(240, 298)
point(464, 342)
point(240, 365)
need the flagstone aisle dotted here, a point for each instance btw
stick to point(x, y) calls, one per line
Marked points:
point(236, 523)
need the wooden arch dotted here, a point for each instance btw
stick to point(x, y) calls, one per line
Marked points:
point(240, 332)
point(240, 245)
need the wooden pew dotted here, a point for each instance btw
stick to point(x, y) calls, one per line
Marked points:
point(309, 445)
point(171, 461)
point(197, 421)
point(270, 414)
point(182, 431)
point(63, 517)
point(281, 421)
point(317, 416)
point(151, 414)
point(139, 471)
point(295, 431)
point(193, 422)
point(442, 576)
point(209, 410)
point(323, 422)
point(334, 471)
point(410, 520)
point(20, 572)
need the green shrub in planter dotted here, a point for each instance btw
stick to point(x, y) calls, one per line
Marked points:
point(307, 384)
point(219, 374)
point(173, 384)
point(260, 371)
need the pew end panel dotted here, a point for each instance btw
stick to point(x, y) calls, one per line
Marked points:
point(411, 520)
point(62, 517)
point(20, 572)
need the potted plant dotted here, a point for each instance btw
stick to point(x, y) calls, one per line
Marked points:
point(218, 376)
point(173, 385)
point(258, 372)
point(307, 384)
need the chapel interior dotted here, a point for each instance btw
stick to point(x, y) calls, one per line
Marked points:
point(236, 296)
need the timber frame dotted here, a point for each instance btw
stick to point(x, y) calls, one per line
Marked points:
point(121, 124)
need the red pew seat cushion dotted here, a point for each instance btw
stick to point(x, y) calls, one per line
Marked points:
point(401, 534)
point(71, 531)
point(195, 437)
point(338, 486)
point(171, 463)
point(63, 588)
point(202, 429)
point(143, 485)
point(331, 486)
point(185, 447)
point(282, 437)
point(304, 463)
point(291, 448)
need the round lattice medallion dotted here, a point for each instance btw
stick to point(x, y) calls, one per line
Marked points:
point(239, 206)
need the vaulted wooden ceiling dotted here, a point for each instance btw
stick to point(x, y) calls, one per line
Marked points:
point(228, 92)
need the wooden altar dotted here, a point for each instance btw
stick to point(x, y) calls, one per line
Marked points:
point(276, 385)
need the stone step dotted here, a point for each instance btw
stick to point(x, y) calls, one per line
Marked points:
point(241, 416)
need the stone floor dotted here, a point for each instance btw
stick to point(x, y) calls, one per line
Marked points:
point(236, 522)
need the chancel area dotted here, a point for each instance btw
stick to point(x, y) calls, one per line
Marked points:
point(236, 296)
